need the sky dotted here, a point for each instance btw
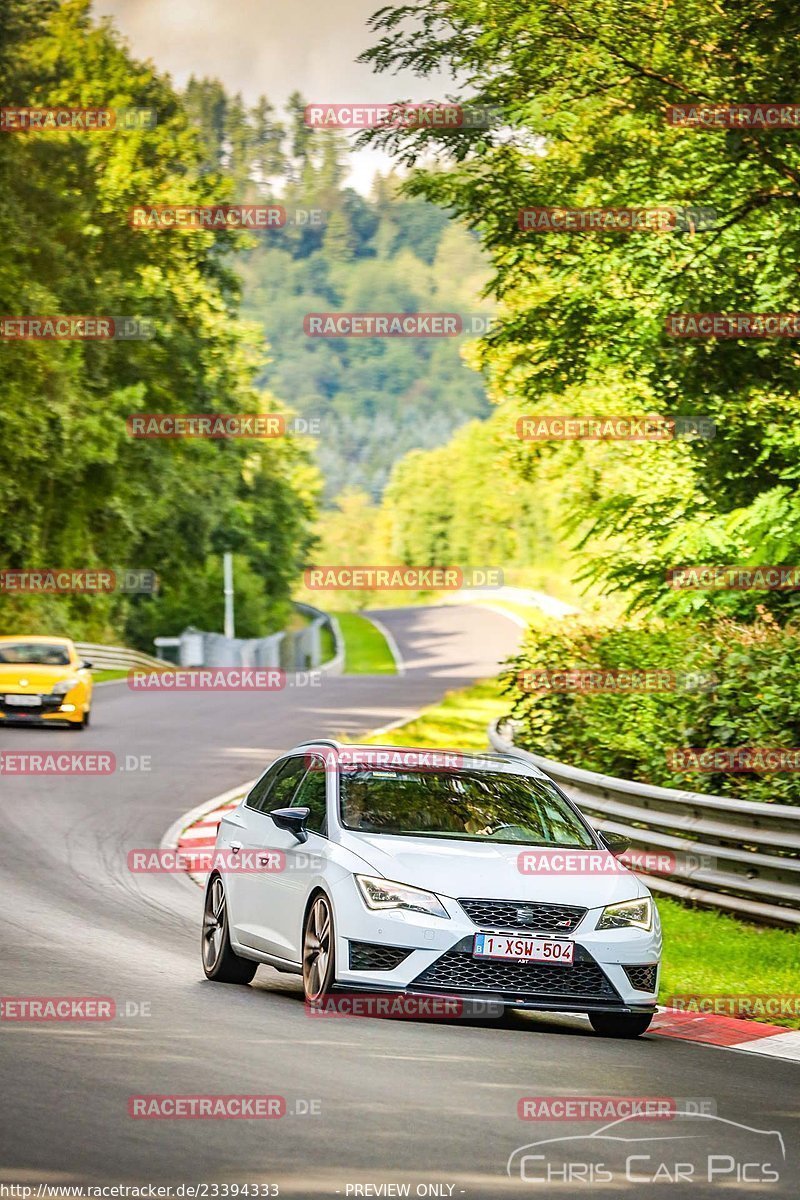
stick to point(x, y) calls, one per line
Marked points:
point(273, 47)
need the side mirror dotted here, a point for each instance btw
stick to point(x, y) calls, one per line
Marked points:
point(293, 819)
point(86, 665)
point(617, 843)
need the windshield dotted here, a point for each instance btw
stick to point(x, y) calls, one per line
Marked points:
point(481, 806)
point(40, 654)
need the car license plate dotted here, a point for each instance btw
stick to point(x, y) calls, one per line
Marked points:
point(24, 701)
point(528, 949)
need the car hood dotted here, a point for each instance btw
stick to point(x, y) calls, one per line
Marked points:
point(479, 869)
point(38, 678)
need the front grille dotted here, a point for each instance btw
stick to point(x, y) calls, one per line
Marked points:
point(369, 956)
point(49, 704)
point(643, 978)
point(456, 971)
point(521, 914)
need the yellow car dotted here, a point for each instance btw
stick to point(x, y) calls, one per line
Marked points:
point(44, 681)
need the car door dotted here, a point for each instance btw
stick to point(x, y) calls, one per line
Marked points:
point(257, 892)
point(232, 834)
point(304, 860)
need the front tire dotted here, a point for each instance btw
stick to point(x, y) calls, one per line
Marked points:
point(319, 961)
point(620, 1025)
point(220, 962)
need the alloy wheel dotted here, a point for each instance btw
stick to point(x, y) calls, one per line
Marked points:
point(214, 924)
point(317, 949)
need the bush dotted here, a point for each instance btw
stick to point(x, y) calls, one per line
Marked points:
point(737, 686)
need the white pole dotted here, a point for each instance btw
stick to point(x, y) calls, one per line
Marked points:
point(227, 574)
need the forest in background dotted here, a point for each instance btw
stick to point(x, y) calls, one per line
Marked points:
point(374, 398)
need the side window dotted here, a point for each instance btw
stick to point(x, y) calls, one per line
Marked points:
point(559, 820)
point(261, 789)
point(280, 794)
point(312, 795)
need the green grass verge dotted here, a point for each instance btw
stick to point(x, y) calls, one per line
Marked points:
point(709, 953)
point(459, 722)
point(105, 676)
point(327, 644)
point(705, 952)
point(366, 651)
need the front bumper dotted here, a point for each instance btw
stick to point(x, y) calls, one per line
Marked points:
point(433, 955)
point(49, 712)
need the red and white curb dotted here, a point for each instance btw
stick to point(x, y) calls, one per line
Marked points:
point(733, 1033)
point(196, 831)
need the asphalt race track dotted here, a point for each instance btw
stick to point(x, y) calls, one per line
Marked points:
point(394, 1102)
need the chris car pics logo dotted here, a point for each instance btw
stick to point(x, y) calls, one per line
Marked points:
point(701, 1148)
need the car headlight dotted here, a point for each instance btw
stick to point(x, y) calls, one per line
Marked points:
point(383, 894)
point(66, 685)
point(638, 913)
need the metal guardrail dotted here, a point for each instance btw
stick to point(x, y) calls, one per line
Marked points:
point(117, 658)
point(292, 650)
point(309, 639)
point(741, 856)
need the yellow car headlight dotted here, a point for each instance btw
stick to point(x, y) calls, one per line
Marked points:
point(66, 685)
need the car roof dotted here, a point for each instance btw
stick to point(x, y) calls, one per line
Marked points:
point(457, 760)
point(36, 637)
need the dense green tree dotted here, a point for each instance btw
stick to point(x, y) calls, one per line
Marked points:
point(583, 91)
point(206, 105)
point(75, 489)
